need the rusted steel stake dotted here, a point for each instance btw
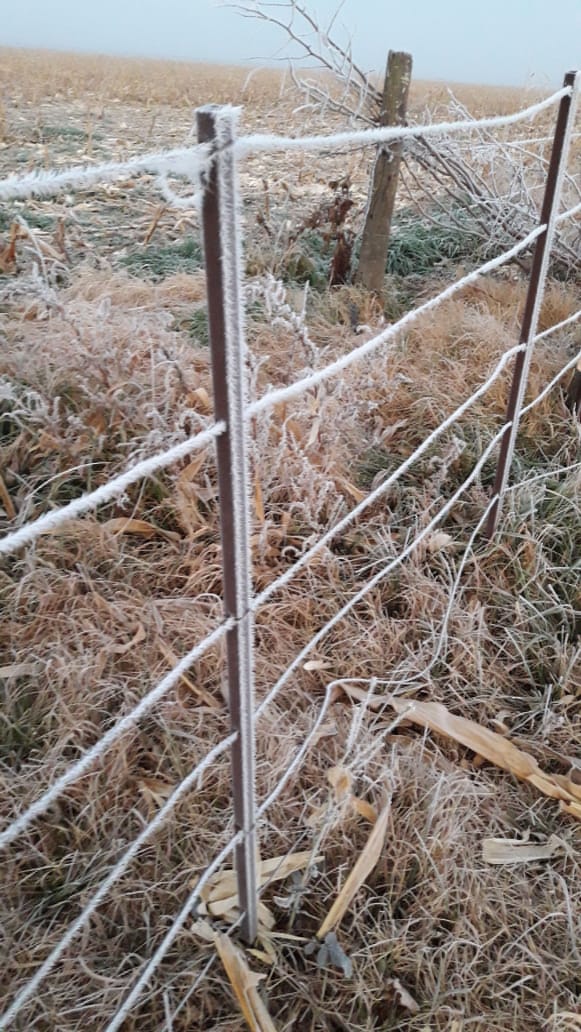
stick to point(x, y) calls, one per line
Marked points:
point(538, 276)
point(217, 126)
point(574, 392)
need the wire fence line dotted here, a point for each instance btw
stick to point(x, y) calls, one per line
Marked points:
point(372, 137)
point(103, 744)
point(117, 486)
point(296, 763)
point(219, 155)
point(181, 790)
point(294, 390)
point(193, 162)
point(108, 492)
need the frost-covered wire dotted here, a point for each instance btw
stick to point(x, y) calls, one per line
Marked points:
point(114, 875)
point(88, 759)
point(377, 493)
point(297, 760)
point(547, 390)
point(547, 474)
point(170, 936)
point(114, 488)
point(191, 162)
point(575, 317)
point(259, 142)
point(559, 326)
point(524, 142)
point(378, 577)
point(569, 213)
point(184, 202)
point(186, 910)
point(294, 390)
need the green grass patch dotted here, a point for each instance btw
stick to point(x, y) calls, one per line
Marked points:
point(419, 245)
point(198, 327)
point(46, 133)
point(157, 263)
point(308, 261)
point(34, 219)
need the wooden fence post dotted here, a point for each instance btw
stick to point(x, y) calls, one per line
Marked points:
point(217, 126)
point(375, 239)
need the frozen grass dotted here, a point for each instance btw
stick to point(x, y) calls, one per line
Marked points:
point(92, 615)
point(99, 367)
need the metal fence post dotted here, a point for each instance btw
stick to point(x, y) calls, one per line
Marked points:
point(537, 280)
point(222, 244)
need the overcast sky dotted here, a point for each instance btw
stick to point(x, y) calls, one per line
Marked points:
point(492, 41)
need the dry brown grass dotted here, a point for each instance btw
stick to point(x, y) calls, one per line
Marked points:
point(100, 368)
point(33, 75)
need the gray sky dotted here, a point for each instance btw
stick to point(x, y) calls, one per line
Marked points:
point(492, 41)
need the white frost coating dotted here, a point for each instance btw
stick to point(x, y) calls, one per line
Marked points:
point(298, 758)
point(566, 368)
point(170, 936)
point(187, 161)
point(114, 488)
point(238, 434)
point(560, 325)
point(351, 516)
point(193, 162)
point(117, 871)
point(368, 137)
point(569, 214)
point(294, 390)
point(100, 747)
point(548, 473)
point(370, 584)
point(547, 390)
point(185, 202)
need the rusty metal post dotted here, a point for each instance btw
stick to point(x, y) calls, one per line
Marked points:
point(217, 126)
point(537, 280)
point(574, 392)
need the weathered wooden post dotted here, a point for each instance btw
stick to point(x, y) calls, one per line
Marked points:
point(376, 231)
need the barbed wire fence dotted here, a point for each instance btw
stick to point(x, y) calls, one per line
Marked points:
point(212, 169)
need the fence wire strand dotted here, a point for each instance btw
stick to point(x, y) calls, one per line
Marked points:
point(114, 488)
point(188, 161)
point(104, 743)
point(114, 875)
point(259, 142)
point(379, 576)
point(298, 387)
point(377, 493)
point(295, 764)
point(171, 935)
